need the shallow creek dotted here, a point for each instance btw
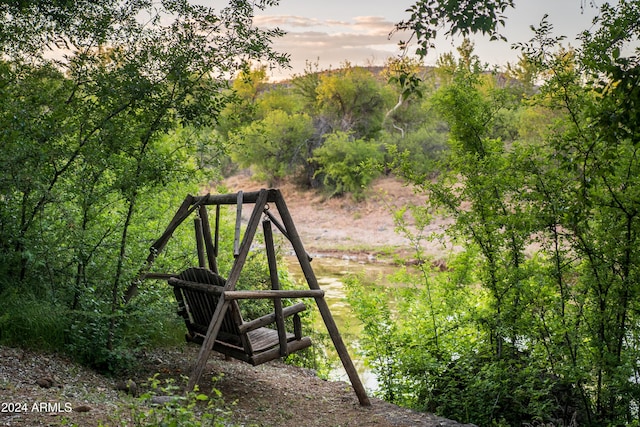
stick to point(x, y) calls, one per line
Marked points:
point(331, 273)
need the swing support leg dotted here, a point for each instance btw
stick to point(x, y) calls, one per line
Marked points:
point(329, 322)
point(205, 348)
point(223, 304)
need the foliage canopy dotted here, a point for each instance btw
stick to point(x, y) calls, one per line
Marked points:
point(536, 313)
point(99, 107)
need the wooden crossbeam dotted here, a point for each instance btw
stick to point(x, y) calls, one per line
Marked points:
point(270, 294)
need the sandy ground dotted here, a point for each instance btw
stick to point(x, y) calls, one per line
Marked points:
point(272, 394)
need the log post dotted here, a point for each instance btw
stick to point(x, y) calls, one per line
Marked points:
point(208, 242)
point(236, 239)
point(197, 223)
point(223, 304)
point(216, 237)
point(329, 322)
point(275, 285)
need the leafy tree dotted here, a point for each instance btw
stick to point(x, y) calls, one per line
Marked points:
point(306, 85)
point(485, 205)
point(280, 97)
point(427, 17)
point(403, 74)
point(594, 151)
point(352, 100)
point(305, 88)
point(414, 131)
point(245, 90)
point(525, 73)
point(91, 157)
point(346, 164)
point(276, 145)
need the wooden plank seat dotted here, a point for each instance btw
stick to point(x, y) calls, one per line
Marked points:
point(198, 291)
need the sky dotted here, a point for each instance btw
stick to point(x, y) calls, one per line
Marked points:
point(332, 32)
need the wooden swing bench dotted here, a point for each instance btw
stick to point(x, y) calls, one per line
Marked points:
point(198, 292)
point(208, 303)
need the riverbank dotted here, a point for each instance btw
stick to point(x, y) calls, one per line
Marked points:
point(273, 394)
point(343, 228)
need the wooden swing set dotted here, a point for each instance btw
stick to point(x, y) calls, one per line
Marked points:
point(208, 303)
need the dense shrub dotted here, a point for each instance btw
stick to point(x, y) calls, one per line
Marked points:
point(347, 165)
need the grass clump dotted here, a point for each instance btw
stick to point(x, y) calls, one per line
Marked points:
point(165, 404)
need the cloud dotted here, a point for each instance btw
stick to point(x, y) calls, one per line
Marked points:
point(290, 21)
point(369, 24)
point(373, 24)
point(363, 40)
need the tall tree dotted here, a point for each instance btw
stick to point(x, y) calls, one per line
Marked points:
point(90, 93)
point(353, 100)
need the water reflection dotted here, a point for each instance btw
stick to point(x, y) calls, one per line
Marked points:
point(331, 274)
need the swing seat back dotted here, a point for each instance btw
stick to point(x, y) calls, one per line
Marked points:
point(198, 292)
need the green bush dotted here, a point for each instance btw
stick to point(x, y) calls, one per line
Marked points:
point(347, 165)
point(148, 321)
point(191, 410)
point(274, 146)
point(418, 153)
point(88, 339)
point(151, 319)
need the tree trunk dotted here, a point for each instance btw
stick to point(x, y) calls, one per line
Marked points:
point(115, 288)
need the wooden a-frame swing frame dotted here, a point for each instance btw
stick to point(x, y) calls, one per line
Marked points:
point(207, 248)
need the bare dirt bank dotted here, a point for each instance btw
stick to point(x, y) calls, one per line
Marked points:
point(273, 394)
point(341, 227)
